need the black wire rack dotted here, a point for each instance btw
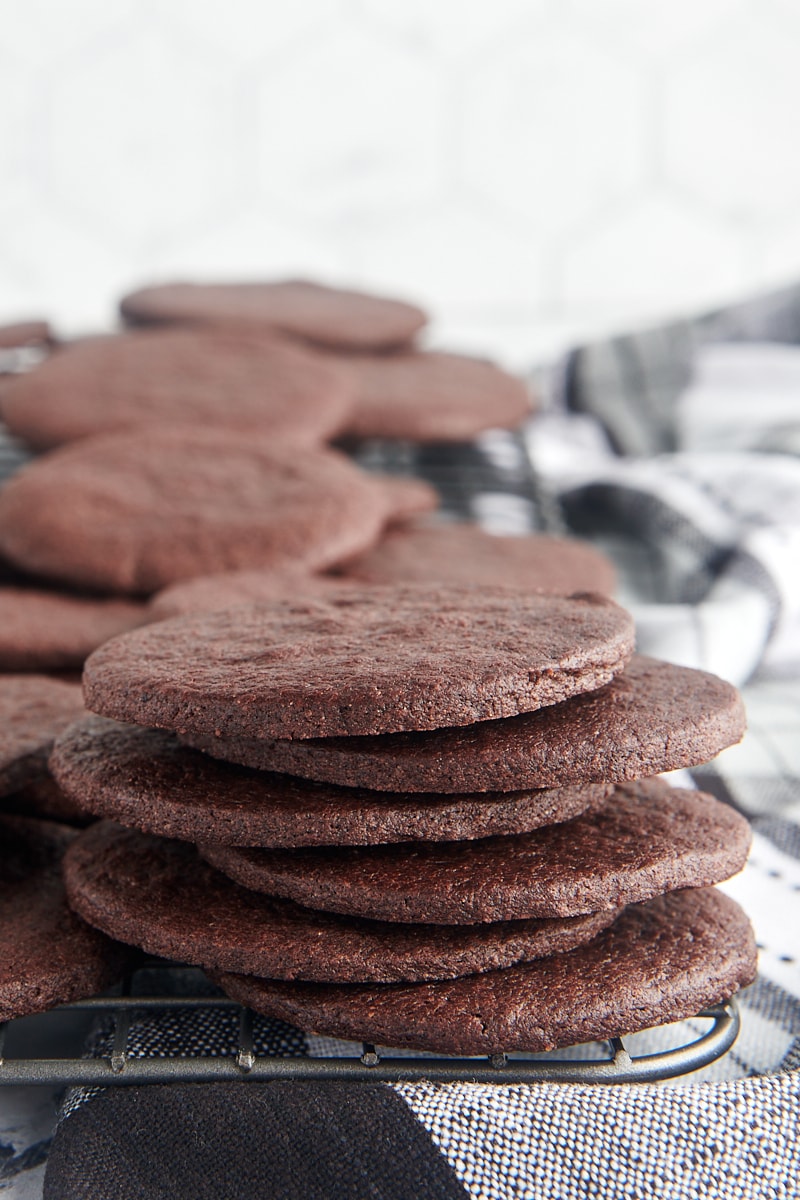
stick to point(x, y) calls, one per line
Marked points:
point(120, 1063)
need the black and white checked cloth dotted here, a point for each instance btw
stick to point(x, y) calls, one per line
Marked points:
point(708, 548)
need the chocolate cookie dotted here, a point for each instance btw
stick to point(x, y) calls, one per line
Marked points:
point(159, 895)
point(310, 311)
point(659, 962)
point(52, 631)
point(44, 798)
point(25, 333)
point(33, 711)
point(645, 839)
point(408, 497)
point(652, 717)
point(213, 593)
point(395, 658)
point(461, 553)
point(48, 955)
point(179, 377)
point(433, 397)
point(135, 512)
point(145, 778)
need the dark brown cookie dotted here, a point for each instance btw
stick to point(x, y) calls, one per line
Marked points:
point(159, 895)
point(659, 962)
point(43, 798)
point(228, 589)
point(48, 955)
point(385, 659)
point(433, 397)
point(326, 316)
point(461, 553)
point(180, 377)
point(652, 717)
point(145, 778)
point(53, 631)
point(409, 497)
point(33, 711)
point(645, 839)
point(135, 512)
point(25, 333)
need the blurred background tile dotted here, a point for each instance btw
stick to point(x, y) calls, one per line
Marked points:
point(536, 172)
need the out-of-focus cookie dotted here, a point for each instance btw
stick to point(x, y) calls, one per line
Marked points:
point(433, 397)
point(327, 316)
point(43, 798)
point(48, 955)
point(25, 333)
point(159, 895)
point(33, 711)
point(384, 659)
point(179, 377)
point(461, 554)
point(661, 961)
point(145, 778)
point(134, 512)
point(55, 631)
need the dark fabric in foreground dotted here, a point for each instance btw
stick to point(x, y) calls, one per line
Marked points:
point(291, 1141)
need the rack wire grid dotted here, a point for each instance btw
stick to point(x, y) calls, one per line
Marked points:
point(493, 476)
point(117, 1063)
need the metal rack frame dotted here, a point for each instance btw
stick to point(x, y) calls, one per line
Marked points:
point(120, 1067)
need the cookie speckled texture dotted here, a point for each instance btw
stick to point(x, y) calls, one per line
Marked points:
point(433, 397)
point(48, 955)
point(463, 554)
point(388, 659)
point(135, 512)
point(159, 895)
point(327, 316)
point(184, 377)
point(652, 717)
point(145, 778)
point(52, 631)
point(33, 711)
point(644, 840)
point(660, 961)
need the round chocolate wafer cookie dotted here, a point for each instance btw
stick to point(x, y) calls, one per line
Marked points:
point(159, 895)
point(211, 593)
point(25, 333)
point(54, 631)
point(645, 839)
point(145, 778)
point(385, 659)
point(183, 377)
point(327, 316)
point(48, 955)
point(433, 397)
point(134, 512)
point(228, 589)
point(33, 711)
point(44, 798)
point(462, 553)
point(661, 961)
point(652, 717)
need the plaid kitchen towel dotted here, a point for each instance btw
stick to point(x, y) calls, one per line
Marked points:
point(705, 549)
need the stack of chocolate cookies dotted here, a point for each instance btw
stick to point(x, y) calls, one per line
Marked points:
point(417, 816)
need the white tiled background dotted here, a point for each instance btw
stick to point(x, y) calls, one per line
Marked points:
point(535, 170)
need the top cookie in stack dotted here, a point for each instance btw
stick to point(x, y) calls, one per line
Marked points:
point(512, 912)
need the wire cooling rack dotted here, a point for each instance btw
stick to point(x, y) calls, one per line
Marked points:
point(119, 1060)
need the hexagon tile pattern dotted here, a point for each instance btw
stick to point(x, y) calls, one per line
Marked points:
point(535, 172)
